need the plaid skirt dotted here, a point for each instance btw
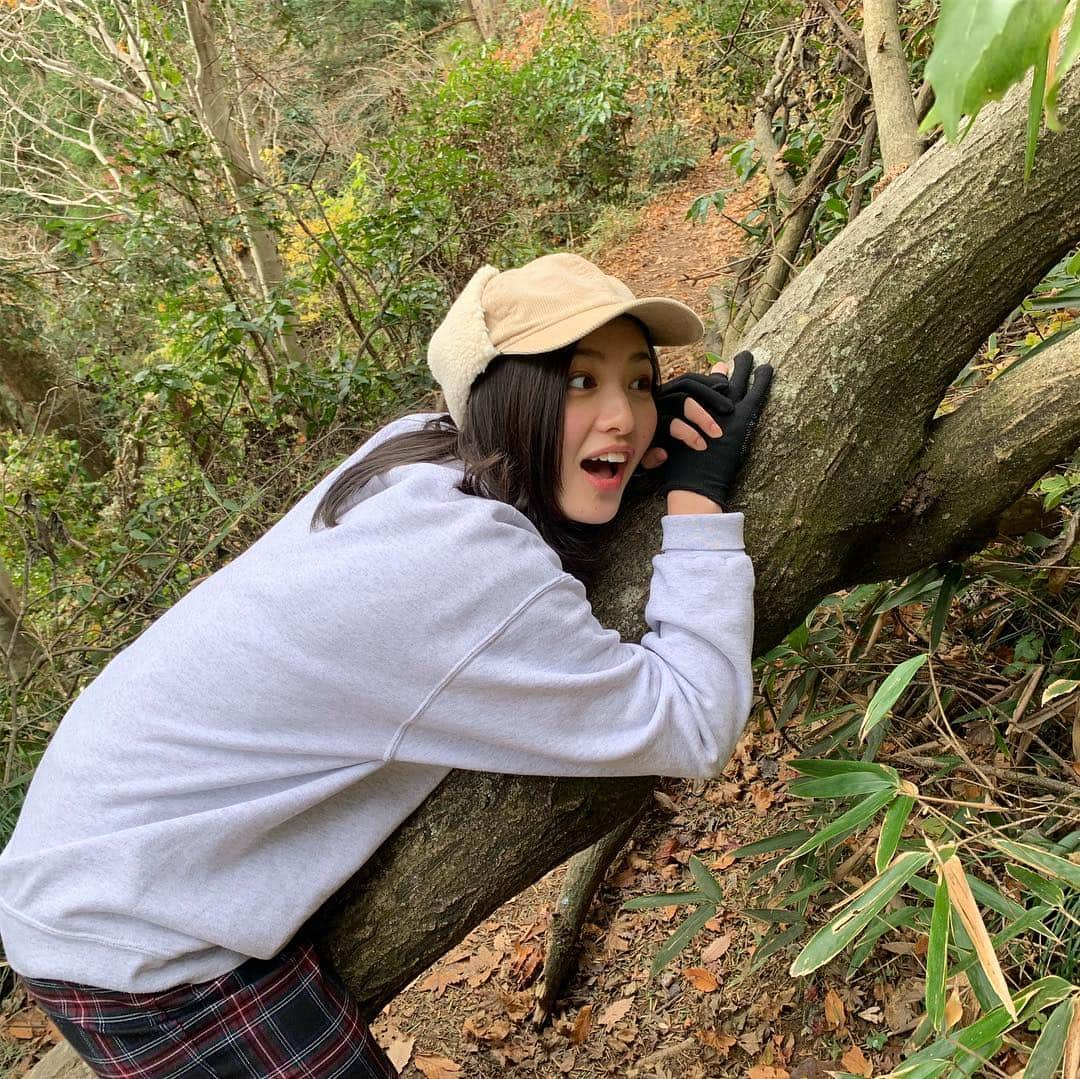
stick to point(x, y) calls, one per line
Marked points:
point(282, 1018)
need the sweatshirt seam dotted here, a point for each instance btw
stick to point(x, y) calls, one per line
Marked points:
point(465, 660)
point(67, 934)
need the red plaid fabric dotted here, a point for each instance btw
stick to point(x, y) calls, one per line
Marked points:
point(282, 1018)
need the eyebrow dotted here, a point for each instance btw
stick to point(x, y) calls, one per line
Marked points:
point(600, 355)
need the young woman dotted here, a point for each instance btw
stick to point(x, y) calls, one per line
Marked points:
point(420, 610)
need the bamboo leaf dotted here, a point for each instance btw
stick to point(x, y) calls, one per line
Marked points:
point(1070, 1069)
point(671, 899)
point(828, 768)
point(1060, 686)
point(1051, 864)
point(843, 786)
point(1050, 1048)
point(857, 914)
point(889, 692)
point(892, 828)
point(682, 937)
point(937, 957)
point(850, 821)
point(967, 910)
point(1035, 110)
point(1046, 890)
point(705, 881)
point(783, 841)
point(949, 585)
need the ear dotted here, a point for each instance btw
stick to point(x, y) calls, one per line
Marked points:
point(461, 347)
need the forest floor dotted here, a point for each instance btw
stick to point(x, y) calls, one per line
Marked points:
point(708, 1014)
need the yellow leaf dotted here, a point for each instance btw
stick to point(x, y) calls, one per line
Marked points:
point(702, 979)
point(954, 1010)
point(963, 902)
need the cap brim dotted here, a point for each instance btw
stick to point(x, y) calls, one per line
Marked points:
point(669, 322)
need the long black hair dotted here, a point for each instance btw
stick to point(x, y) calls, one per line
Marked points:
point(510, 444)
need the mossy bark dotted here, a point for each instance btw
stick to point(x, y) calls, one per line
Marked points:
point(865, 343)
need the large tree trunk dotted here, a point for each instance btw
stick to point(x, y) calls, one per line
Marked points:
point(851, 479)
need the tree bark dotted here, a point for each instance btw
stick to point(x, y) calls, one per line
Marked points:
point(865, 342)
point(898, 130)
point(49, 398)
point(18, 649)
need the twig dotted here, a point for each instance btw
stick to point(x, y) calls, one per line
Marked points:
point(1010, 775)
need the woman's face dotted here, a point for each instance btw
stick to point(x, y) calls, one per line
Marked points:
point(608, 422)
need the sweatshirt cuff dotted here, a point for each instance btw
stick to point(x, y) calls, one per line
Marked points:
point(703, 532)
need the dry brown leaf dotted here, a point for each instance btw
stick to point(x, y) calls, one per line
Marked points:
point(702, 979)
point(835, 1015)
point(722, 1043)
point(582, 1025)
point(854, 1061)
point(717, 948)
point(26, 1025)
point(963, 902)
point(1071, 1067)
point(766, 1071)
point(399, 1048)
point(615, 1013)
point(437, 1067)
point(954, 1010)
point(441, 978)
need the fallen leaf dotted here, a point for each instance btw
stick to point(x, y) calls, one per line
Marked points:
point(766, 1071)
point(525, 964)
point(762, 798)
point(702, 979)
point(615, 1013)
point(954, 1010)
point(716, 949)
point(854, 1060)
point(722, 1043)
point(399, 1048)
point(25, 1025)
point(725, 861)
point(582, 1025)
point(437, 1067)
point(834, 1009)
point(441, 978)
point(963, 902)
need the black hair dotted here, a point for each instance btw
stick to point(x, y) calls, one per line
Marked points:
point(510, 444)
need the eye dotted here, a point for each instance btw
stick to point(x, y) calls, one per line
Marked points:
point(580, 381)
point(643, 383)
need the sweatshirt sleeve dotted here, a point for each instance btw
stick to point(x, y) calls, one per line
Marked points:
point(549, 691)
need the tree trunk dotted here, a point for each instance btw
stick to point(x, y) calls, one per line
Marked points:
point(49, 398)
point(18, 649)
point(850, 480)
point(898, 130)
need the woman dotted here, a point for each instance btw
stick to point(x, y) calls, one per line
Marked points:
point(420, 610)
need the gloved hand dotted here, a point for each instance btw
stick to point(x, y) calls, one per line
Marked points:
point(679, 400)
point(711, 471)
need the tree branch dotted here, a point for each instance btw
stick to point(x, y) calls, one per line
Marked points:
point(898, 130)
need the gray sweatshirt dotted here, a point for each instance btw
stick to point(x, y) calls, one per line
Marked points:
point(231, 768)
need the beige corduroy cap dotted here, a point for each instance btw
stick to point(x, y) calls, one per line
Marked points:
point(544, 305)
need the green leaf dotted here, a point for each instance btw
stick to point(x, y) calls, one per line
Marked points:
point(705, 881)
point(1045, 890)
point(682, 937)
point(983, 47)
point(905, 916)
point(783, 841)
point(773, 944)
point(850, 821)
point(1059, 687)
point(1042, 860)
point(825, 769)
point(937, 956)
point(671, 899)
point(889, 693)
point(949, 584)
point(924, 581)
point(891, 829)
point(857, 914)
point(1046, 1057)
point(1069, 52)
point(1035, 108)
point(844, 786)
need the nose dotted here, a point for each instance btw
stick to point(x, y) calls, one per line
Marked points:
point(616, 413)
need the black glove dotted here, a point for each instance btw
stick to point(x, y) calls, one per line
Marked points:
point(712, 392)
point(711, 472)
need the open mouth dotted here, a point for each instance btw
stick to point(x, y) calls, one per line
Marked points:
point(605, 471)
